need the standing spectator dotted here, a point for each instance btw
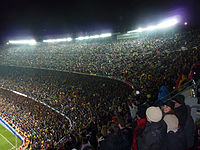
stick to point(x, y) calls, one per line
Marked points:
point(175, 137)
point(125, 133)
point(154, 136)
point(168, 107)
point(186, 121)
point(141, 123)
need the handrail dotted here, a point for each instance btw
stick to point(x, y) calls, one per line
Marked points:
point(182, 86)
point(176, 90)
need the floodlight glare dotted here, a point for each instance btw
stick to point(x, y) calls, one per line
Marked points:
point(86, 37)
point(80, 38)
point(29, 42)
point(168, 23)
point(164, 24)
point(57, 40)
point(105, 35)
point(94, 36)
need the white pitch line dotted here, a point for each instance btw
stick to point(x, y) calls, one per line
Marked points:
point(12, 148)
point(7, 140)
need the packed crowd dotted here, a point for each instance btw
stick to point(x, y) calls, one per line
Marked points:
point(91, 102)
point(135, 61)
point(76, 96)
point(38, 124)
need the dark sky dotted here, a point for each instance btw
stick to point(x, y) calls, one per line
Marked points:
point(39, 18)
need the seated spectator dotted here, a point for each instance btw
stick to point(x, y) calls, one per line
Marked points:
point(186, 121)
point(154, 135)
point(141, 123)
point(168, 107)
point(175, 137)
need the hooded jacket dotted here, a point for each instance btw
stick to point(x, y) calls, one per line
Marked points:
point(176, 140)
point(154, 137)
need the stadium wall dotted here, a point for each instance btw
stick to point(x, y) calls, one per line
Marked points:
point(5, 124)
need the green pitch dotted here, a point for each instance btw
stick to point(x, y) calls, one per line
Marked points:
point(8, 139)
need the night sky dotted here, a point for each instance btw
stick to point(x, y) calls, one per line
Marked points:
point(20, 18)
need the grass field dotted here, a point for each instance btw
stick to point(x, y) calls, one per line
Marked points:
point(8, 139)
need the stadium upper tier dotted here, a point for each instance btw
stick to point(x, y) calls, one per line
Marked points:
point(107, 57)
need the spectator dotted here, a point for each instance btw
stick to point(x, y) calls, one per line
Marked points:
point(154, 136)
point(185, 119)
point(141, 123)
point(113, 141)
point(175, 137)
point(125, 133)
point(168, 107)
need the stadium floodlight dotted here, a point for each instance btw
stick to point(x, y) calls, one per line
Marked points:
point(80, 38)
point(86, 37)
point(168, 23)
point(57, 40)
point(94, 36)
point(105, 35)
point(164, 24)
point(29, 42)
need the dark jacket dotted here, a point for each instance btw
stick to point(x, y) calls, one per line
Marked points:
point(176, 140)
point(126, 134)
point(189, 129)
point(154, 137)
point(181, 113)
point(186, 123)
point(114, 142)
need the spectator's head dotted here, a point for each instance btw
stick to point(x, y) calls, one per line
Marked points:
point(168, 107)
point(179, 100)
point(113, 129)
point(141, 113)
point(153, 114)
point(172, 122)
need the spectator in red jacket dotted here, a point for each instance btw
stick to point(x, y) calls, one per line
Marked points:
point(141, 123)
